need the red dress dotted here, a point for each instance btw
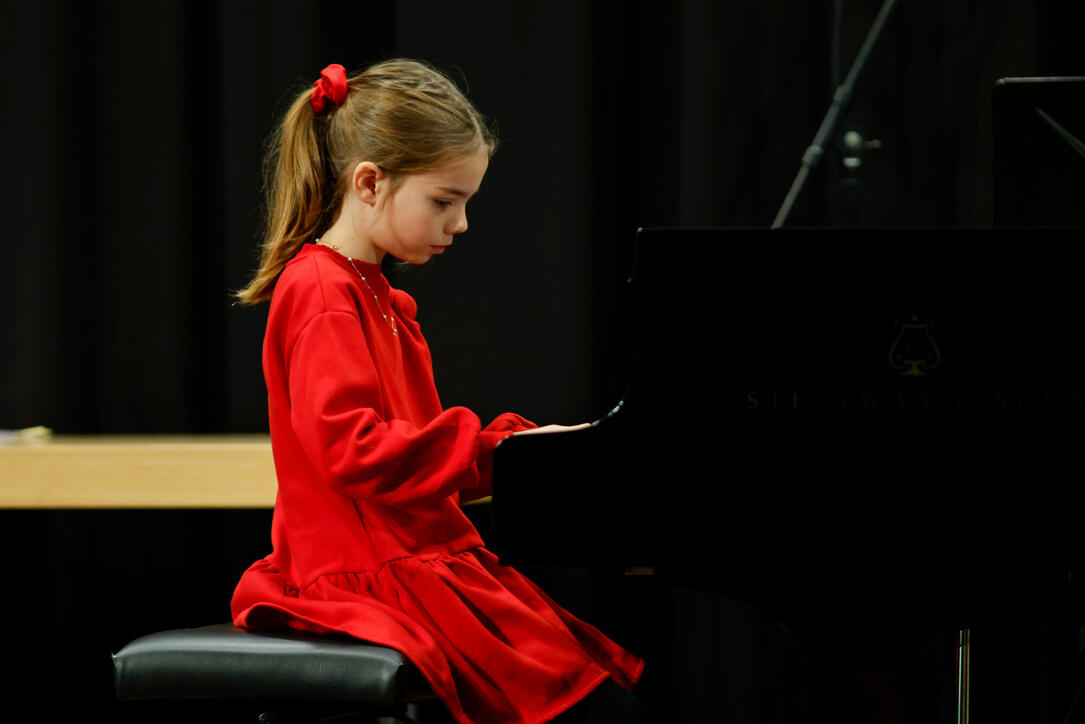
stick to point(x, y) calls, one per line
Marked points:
point(368, 536)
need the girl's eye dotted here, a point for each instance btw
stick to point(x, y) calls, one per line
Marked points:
point(444, 203)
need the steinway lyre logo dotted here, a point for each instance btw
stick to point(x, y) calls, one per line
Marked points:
point(914, 353)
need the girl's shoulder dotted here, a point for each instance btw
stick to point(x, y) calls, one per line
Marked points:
point(314, 282)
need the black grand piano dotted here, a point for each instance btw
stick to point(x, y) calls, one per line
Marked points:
point(876, 425)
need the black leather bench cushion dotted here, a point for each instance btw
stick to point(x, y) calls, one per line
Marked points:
point(224, 662)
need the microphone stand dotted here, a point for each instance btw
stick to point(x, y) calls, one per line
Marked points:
point(841, 99)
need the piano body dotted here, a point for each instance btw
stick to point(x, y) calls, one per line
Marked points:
point(850, 426)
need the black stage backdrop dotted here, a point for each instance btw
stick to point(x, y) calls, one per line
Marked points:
point(134, 133)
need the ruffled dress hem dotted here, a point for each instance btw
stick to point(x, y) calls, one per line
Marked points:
point(492, 646)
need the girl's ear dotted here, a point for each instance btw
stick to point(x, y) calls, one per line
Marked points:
point(365, 181)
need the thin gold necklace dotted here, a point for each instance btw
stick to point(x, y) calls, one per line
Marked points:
point(388, 318)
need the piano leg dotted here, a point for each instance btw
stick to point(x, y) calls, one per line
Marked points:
point(964, 670)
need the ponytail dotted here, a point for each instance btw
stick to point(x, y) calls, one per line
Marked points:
point(299, 195)
point(402, 115)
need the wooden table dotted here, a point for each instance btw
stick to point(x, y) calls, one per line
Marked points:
point(192, 471)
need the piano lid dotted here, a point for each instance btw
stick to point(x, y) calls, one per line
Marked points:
point(858, 322)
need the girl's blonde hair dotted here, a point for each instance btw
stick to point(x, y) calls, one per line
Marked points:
point(402, 115)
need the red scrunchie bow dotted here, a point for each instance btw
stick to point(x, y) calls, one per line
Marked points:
point(330, 89)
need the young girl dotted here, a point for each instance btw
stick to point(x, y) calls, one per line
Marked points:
point(369, 539)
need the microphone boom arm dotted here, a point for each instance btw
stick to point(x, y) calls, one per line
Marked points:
point(841, 99)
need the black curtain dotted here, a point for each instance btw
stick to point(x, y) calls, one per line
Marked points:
point(136, 131)
point(134, 134)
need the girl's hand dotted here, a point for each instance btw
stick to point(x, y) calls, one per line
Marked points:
point(552, 428)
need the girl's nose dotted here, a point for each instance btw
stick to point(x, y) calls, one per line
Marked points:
point(459, 224)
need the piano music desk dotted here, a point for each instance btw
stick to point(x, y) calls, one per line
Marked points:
point(139, 471)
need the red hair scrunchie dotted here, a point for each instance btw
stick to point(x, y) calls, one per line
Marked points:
point(330, 89)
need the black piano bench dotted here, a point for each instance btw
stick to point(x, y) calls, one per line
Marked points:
point(280, 676)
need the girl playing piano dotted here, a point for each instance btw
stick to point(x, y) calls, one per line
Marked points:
point(368, 537)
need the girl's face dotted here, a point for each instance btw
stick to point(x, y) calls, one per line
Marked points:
point(420, 218)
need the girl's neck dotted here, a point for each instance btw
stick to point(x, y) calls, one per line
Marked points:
point(348, 236)
point(352, 248)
